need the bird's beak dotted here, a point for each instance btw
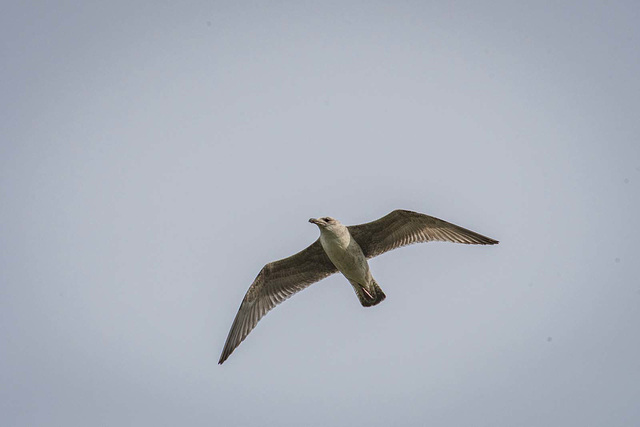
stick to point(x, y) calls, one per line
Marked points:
point(315, 221)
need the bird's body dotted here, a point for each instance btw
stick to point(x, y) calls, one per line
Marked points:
point(347, 256)
point(340, 249)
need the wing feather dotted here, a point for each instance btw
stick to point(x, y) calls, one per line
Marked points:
point(276, 282)
point(401, 228)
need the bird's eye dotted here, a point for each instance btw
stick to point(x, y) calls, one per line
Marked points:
point(326, 219)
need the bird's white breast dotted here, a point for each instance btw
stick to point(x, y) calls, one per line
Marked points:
point(345, 253)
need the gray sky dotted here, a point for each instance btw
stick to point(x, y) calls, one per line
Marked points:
point(155, 156)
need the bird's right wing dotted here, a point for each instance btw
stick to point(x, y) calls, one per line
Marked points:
point(276, 282)
point(400, 228)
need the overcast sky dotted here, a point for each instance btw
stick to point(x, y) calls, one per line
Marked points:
point(155, 155)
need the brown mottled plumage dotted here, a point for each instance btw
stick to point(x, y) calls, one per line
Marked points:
point(343, 249)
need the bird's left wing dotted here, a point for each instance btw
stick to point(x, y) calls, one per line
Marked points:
point(400, 228)
point(276, 282)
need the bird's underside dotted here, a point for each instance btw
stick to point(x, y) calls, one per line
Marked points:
point(280, 279)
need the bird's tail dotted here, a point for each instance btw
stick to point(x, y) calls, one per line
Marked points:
point(369, 295)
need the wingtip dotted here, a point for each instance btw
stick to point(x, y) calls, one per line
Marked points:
point(484, 240)
point(224, 356)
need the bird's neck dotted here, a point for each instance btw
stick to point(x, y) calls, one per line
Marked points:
point(336, 237)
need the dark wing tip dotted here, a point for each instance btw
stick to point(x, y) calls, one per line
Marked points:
point(488, 241)
point(479, 239)
point(226, 352)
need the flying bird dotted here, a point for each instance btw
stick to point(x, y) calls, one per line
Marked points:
point(343, 249)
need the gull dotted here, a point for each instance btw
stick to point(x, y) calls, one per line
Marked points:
point(343, 249)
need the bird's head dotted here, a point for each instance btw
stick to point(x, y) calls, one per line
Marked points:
point(325, 223)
